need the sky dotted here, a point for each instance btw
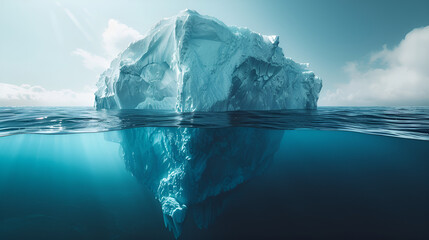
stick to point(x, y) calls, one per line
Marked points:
point(368, 53)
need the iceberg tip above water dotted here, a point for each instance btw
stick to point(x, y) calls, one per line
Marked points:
point(191, 62)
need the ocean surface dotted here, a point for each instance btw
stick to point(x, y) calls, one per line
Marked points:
point(338, 173)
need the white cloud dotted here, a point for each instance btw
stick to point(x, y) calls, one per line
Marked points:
point(116, 37)
point(398, 76)
point(91, 61)
point(27, 95)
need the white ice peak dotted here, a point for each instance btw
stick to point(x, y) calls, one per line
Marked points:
point(191, 62)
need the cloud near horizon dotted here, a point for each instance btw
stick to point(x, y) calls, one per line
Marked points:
point(398, 76)
point(28, 95)
point(116, 37)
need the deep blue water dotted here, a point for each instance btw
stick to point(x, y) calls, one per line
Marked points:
point(324, 182)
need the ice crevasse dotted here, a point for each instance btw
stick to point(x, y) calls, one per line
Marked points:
point(191, 62)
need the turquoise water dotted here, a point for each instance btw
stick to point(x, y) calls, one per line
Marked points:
point(320, 184)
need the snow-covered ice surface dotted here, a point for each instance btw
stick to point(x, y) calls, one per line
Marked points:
point(190, 63)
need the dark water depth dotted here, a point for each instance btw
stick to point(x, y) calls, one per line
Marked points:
point(322, 183)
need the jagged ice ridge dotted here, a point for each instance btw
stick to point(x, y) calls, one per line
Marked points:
point(191, 62)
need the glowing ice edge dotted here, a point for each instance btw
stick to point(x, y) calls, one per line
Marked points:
point(191, 62)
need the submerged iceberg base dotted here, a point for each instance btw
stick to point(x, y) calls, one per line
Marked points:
point(184, 167)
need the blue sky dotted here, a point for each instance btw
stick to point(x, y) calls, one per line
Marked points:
point(366, 52)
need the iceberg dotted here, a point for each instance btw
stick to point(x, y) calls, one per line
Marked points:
point(190, 63)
